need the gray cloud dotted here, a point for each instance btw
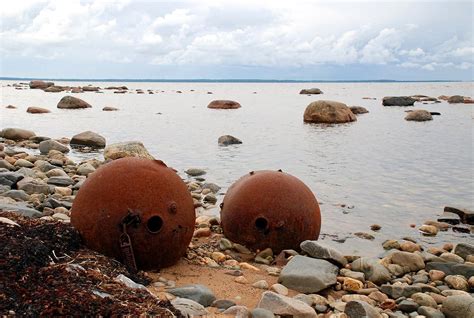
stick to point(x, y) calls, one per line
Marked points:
point(215, 34)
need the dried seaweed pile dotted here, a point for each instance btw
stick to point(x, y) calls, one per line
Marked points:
point(45, 271)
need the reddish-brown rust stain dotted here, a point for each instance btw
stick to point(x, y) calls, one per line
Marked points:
point(270, 209)
point(148, 189)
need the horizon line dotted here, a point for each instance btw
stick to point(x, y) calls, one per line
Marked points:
point(226, 80)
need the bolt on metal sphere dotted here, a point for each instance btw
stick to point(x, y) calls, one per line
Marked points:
point(270, 209)
point(138, 211)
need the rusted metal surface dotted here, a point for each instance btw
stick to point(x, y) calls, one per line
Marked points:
point(139, 199)
point(270, 209)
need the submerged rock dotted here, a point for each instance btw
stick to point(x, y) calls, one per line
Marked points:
point(328, 112)
point(37, 110)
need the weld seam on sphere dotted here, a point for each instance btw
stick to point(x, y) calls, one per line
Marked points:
point(270, 209)
point(148, 188)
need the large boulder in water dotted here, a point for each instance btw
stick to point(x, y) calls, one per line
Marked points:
point(16, 134)
point(456, 99)
point(223, 104)
point(328, 112)
point(311, 91)
point(69, 102)
point(88, 139)
point(398, 101)
point(40, 84)
point(419, 115)
point(126, 149)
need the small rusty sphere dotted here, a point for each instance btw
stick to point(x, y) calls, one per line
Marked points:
point(137, 187)
point(270, 209)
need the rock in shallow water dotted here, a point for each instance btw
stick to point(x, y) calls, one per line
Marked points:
point(47, 145)
point(398, 101)
point(228, 140)
point(419, 115)
point(16, 134)
point(328, 112)
point(126, 149)
point(308, 275)
point(89, 139)
point(70, 102)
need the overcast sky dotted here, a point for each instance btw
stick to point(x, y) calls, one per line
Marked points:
point(327, 40)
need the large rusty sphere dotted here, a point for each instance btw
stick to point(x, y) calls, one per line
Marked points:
point(270, 209)
point(147, 188)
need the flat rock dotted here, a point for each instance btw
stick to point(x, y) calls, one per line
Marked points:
point(319, 251)
point(21, 209)
point(285, 306)
point(61, 181)
point(466, 216)
point(195, 172)
point(398, 101)
point(37, 84)
point(188, 307)
point(46, 146)
point(30, 186)
point(126, 149)
point(196, 292)
point(18, 195)
point(311, 91)
point(70, 102)
point(373, 270)
point(328, 112)
point(357, 110)
point(308, 275)
point(452, 268)
point(37, 110)
point(10, 178)
point(407, 305)
point(16, 134)
point(88, 139)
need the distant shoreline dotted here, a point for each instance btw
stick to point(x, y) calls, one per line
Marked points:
point(224, 80)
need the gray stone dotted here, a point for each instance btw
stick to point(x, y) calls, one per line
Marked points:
point(407, 305)
point(44, 166)
point(308, 275)
point(85, 169)
point(195, 172)
point(262, 313)
point(61, 181)
point(188, 307)
point(319, 251)
point(21, 209)
point(223, 303)
point(397, 291)
point(452, 268)
point(373, 270)
point(227, 140)
point(430, 312)
point(88, 139)
point(196, 292)
point(18, 195)
point(30, 186)
point(352, 274)
point(237, 312)
point(10, 178)
point(464, 249)
point(456, 99)
point(211, 186)
point(285, 306)
point(358, 309)
point(47, 145)
point(398, 101)
point(461, 306)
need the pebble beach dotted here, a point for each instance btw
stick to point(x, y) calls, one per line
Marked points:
point(427, 271)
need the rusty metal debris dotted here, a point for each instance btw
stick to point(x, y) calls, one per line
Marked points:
point(136, 210)
point(270, 209)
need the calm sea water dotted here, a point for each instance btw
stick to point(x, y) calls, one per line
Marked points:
point(384, 169)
